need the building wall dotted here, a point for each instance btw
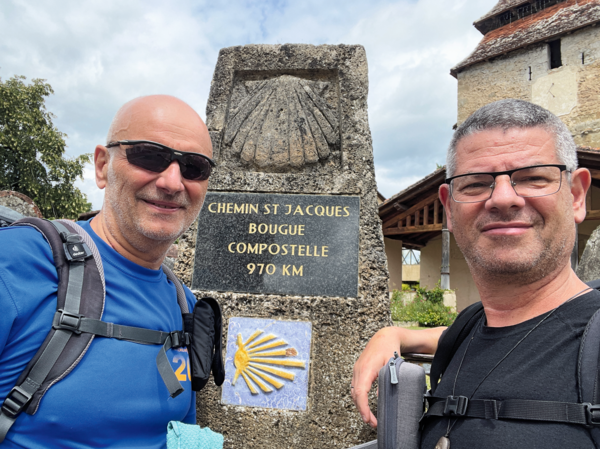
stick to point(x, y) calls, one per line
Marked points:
point(411, 273)
point(461, 280)
point(393, 251)
point(572, 91)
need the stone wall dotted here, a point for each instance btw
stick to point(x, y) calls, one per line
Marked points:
point(571, 91)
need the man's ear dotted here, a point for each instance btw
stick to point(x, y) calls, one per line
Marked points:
point(101, 161)
point(445, 198)
point(581, 179)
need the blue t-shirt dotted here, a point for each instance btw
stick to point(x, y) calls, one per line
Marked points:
point(115, 396)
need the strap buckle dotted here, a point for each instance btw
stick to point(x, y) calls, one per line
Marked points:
point(175, 340)
point(76, 249)
point(592, 414)
point(15, 402)
point(179, 338)
point(64, 320)
point(456, 405)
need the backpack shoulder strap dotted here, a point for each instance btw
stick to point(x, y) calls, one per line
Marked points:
point(78, 272)
point(181, 298)
point(452, 339)
point(588, 367)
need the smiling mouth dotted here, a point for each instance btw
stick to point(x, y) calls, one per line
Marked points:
point(506, 229)
point(163, 206)
point(504, 226)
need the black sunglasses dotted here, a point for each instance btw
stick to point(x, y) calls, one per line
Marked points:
point(157, 157)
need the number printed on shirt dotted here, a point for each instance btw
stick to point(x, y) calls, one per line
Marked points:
point(183, 364)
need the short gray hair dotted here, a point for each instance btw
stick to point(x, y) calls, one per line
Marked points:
point(512, 113)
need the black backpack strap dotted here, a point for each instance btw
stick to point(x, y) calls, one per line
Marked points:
point(451, 340)
point(588, 368)
point(517, 409)
point(62, 349)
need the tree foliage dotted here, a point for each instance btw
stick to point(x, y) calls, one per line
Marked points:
point(32, 159)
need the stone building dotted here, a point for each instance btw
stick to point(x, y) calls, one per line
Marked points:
point(543, 51)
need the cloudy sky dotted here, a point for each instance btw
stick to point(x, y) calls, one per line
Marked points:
point(97, 54)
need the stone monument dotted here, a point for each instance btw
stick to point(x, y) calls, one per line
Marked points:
point(19, 203)
point(289, 241)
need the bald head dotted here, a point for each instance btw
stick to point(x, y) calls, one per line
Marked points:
point(159, 118)
point(144, 210)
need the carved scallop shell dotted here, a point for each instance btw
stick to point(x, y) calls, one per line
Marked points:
point(282, 122)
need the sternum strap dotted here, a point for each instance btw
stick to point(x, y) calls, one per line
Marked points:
point(78, 324)
point(520, 409)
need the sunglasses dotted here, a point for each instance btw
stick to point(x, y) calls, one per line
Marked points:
point(157, 157)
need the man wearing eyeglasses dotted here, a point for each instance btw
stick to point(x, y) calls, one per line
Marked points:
point(513, 195)
point(154, 170)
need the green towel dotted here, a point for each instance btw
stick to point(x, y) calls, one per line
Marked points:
point(191, 436)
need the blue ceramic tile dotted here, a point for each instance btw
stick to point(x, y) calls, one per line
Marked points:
point(288, 356)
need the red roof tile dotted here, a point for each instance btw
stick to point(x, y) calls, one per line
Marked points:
point(541, 26)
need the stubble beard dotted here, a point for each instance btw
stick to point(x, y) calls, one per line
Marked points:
point(531, 264)
point(123, 206)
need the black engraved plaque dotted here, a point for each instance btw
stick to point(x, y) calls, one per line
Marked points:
point(279, 244)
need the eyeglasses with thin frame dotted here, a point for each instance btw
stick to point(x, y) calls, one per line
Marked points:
point(156, 157)
point(527, 182)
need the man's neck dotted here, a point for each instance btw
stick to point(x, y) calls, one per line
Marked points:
point(507, 304)
point(150, 256)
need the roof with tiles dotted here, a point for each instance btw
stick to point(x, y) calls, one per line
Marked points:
point(502, 6)
point(540, 26)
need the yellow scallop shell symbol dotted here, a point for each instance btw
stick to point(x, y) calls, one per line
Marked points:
point(253, 357)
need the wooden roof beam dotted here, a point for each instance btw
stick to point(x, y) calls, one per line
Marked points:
point(412, 229)
point(396, 219)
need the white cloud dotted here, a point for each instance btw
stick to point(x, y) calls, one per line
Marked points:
point(100, 53)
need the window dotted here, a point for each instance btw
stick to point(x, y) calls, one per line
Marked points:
point(555, 59)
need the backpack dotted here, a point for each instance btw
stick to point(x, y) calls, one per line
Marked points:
point(78, 320)
point(586, 412)
point(401, 390)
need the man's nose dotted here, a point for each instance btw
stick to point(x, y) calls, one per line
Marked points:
point(504, 196)
point(170, 180)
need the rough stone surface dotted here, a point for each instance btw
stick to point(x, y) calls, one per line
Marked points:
point(184, 264)
point(341, 326)
point(589, 265)
point(516, 74)
point(19, 203)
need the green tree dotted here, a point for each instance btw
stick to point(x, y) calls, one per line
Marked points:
point(32, 159)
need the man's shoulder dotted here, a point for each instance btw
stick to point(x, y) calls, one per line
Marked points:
point(577, 312)
point(23, 242)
